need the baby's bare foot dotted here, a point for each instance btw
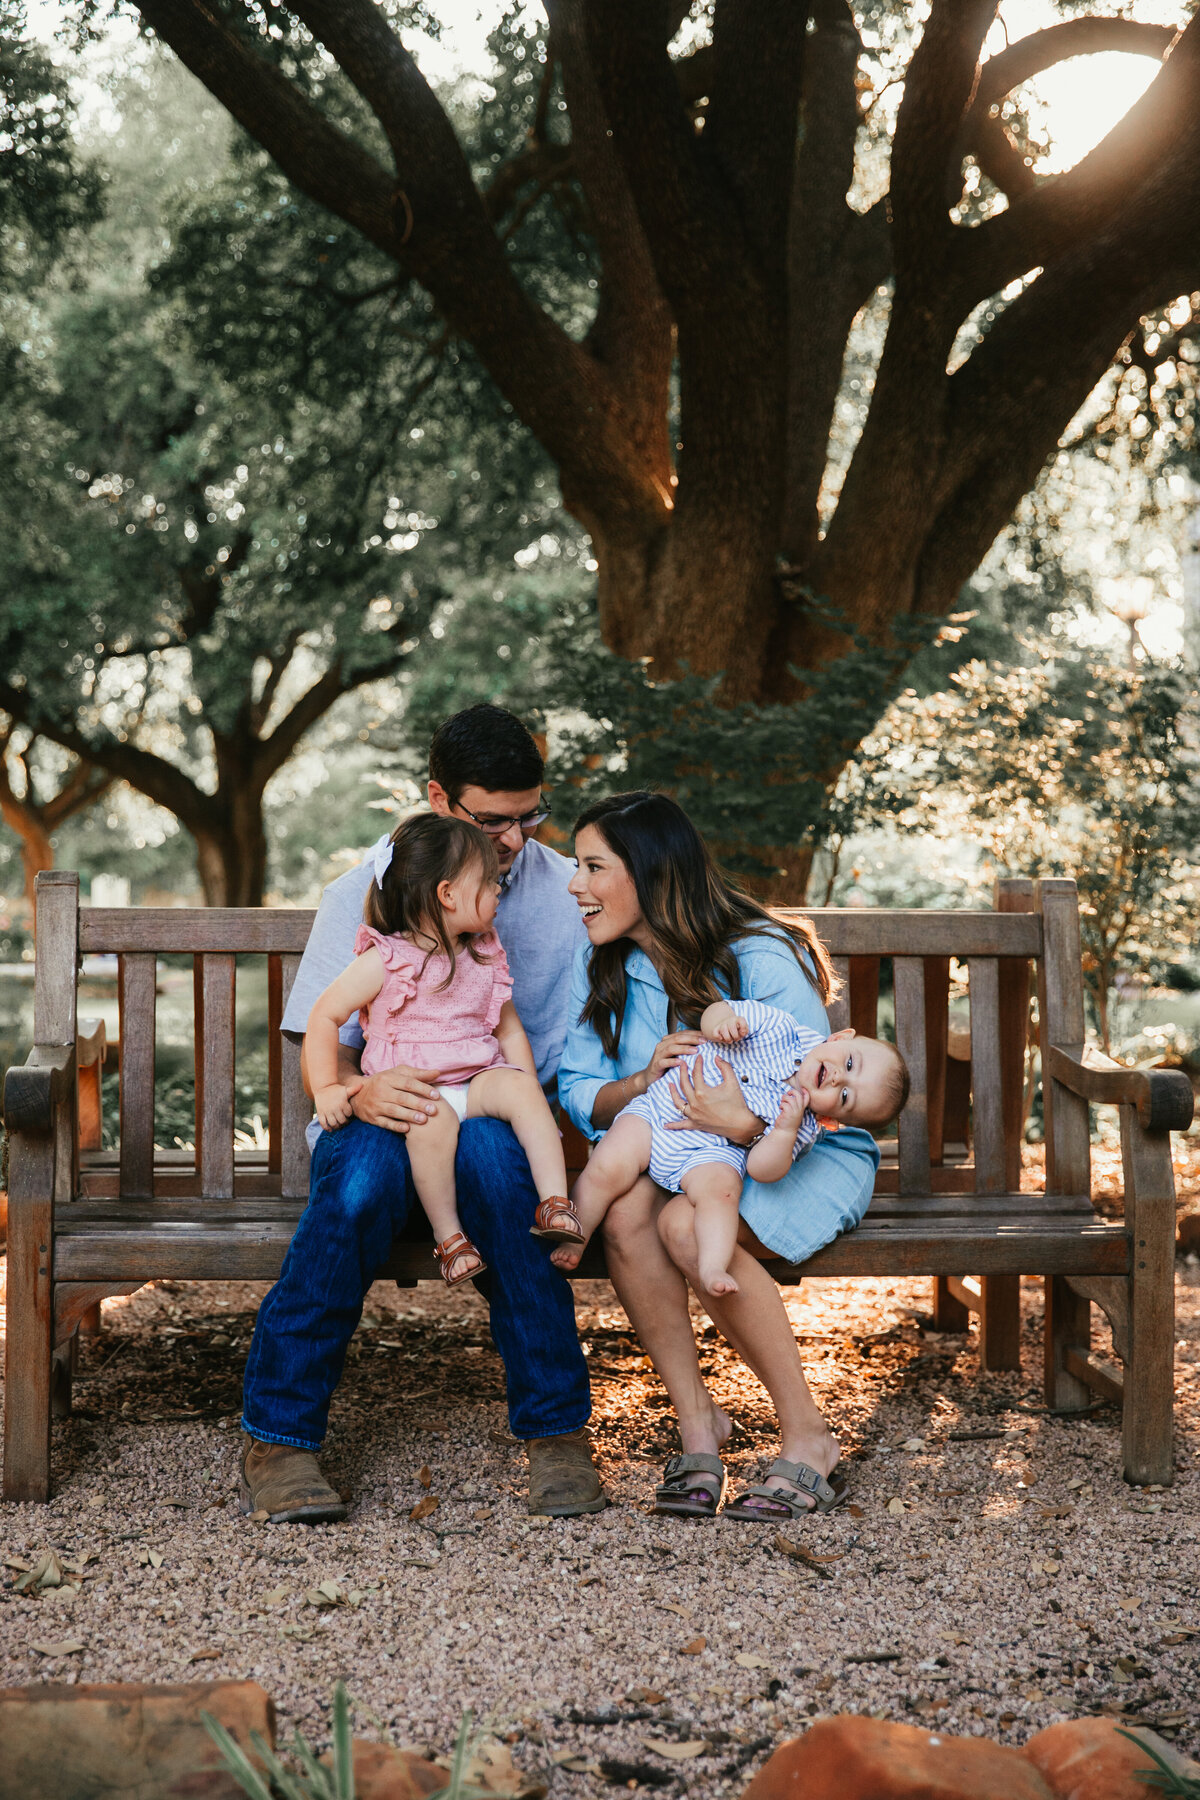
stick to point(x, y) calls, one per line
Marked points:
point(718, 1281)
point(567, 1256)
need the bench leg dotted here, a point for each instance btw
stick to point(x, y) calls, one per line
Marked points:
point(949, 1313)
point(1148, 1417)
point(1068, 1327)
point(29, 1343)
point(1000, 1322)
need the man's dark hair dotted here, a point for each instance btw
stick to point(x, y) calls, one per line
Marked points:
point(485, 747)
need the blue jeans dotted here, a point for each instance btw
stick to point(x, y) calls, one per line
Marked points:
point(360, 1198)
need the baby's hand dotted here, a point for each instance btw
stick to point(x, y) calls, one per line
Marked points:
point(792, 1109)
point(333, 1105)
point(721, 1025)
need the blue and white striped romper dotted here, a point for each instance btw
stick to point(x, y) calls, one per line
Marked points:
point(763, 1061)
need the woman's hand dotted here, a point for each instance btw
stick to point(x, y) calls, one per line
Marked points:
point(670, 1052)
point(720, 1109)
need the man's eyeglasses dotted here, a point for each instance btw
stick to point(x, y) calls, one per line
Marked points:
point(497, 827)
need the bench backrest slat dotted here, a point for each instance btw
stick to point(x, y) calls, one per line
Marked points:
point(215, 988)
point(864, 931)
point(274, 1064)
point(983, 974)
point(1060, 1016)
point(295, 1105)
point(908, 973)
point(838, 1010)
point(1013, 894)
point(136, 980)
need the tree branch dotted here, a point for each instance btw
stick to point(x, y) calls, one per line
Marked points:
point(1067, 209)
point(823, 293)
point(938, 93)
point(750, 127)
point(554, 385)
point(1042, 50)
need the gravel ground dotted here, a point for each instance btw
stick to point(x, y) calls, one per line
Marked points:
point(993, 1582)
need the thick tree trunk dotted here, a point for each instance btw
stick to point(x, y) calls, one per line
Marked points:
point(231, 853)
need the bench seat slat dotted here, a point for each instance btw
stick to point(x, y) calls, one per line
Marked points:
point(253, 1247)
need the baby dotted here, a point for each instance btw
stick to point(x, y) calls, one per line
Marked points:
point(791, 1077)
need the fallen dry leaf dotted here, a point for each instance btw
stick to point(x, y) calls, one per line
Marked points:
point(745, 1661)
point(259, 1517)
point(675, 1752)
point(798, 1553)
point(896, 1505)
point(913, 1443)
point(856, 1512)
point(694, 1648)
point(205, 1655)
point(424, 1507)
point(644, 1696)
point(47, 1572)
point(670, 1606)
point(425, 1475)
point(61, 1647)
point(1130, 1603)
point(277, 1594)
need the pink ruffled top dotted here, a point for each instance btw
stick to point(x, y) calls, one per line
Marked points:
point(413, 1019)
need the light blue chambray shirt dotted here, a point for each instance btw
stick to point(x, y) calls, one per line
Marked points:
point(824, 1193)
point(537, 921)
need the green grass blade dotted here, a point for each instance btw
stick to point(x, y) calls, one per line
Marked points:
point(236, 1760)
point(289, 1784)
point(343, 1752)
point(1164, 1777)
point(320, 1778)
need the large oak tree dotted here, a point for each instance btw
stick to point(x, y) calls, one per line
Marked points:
point(691, 424)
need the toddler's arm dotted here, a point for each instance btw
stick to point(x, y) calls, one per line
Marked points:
point(510, 1035)
point(355, 987)
point(772, 1156)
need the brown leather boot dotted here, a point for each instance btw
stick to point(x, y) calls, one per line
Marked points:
point(288, 1484)
point(562, 1477)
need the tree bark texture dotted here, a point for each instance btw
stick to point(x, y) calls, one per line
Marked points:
point(717, 193)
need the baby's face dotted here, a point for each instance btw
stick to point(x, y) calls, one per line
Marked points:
point(845, 1078)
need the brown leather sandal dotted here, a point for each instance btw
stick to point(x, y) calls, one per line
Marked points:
point(557, 1220)
point(452, 1250)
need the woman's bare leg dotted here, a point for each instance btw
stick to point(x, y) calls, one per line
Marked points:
point(755, 1322)
point(655, 1295)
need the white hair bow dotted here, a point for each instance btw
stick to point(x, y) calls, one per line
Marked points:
point(381, 857)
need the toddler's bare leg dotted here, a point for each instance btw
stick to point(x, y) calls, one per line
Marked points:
point(517, 1098)
point(617, 1162)
point(714, 1190)
point(432, 1162)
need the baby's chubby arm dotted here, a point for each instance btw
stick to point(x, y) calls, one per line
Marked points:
point(772, 1156)
point(355, 987)
point(720, 1024)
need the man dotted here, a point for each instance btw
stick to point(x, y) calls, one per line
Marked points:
point(483, 766)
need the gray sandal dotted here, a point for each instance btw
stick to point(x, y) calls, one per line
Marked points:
point(691, 1500)
point(780, 1506)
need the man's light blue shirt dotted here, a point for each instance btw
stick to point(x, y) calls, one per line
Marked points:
point(537, 921)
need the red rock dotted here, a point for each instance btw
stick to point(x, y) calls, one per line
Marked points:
point(1088, 1759)
point(384, 1773)
point(125, 1741)
point(852, 1758)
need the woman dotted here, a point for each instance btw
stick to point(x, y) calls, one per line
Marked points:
point(667, 935)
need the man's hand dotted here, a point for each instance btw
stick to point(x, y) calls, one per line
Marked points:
point(396, 1098)
point(333, 1103)
point(669, 1052)
point(721, 1025)
point(720, 1108)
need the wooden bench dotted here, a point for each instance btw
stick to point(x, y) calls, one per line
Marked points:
point(84, 1224)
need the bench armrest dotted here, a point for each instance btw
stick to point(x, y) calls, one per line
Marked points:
point(35, 1089)
point(1163, 1097)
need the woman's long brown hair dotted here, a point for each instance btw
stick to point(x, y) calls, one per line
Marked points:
point(694, 911)
point(427, 849)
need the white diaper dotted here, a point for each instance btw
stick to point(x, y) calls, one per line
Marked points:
point(455, 1098)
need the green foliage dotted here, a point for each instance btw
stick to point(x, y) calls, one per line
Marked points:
point(316, 1782)
point(1071, 763)
point(46, 192)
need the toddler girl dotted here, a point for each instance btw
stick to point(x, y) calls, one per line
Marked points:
point(791, 1077)
point(431, 986)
